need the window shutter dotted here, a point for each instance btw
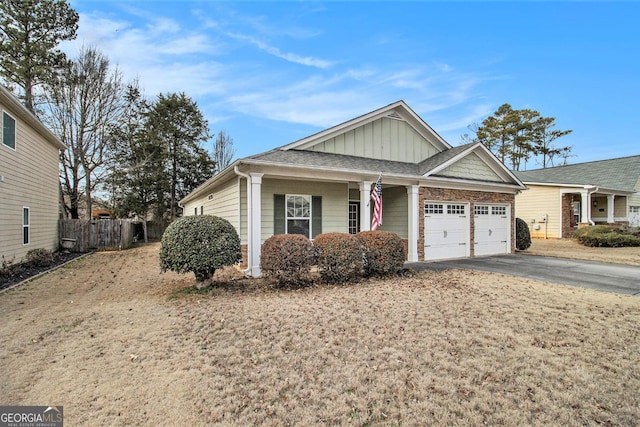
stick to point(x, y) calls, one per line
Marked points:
point(279, 214)
point(316, 215)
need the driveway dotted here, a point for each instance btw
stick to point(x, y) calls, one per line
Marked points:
point(623, 279)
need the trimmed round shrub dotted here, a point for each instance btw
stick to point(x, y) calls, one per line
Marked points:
point(288, 258)
point(523, 235)
point(199, 244)
point(383, 252)
point(606, 236)
point(339, 257)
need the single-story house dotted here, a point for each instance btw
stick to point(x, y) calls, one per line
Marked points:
point(444, 201)
point(29, 181)
point(561, 198)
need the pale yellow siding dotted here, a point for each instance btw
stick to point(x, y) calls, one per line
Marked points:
point(224, 202)
point(335, 202)
point(385, 138)
point(471, 167)
point(536, 202)
point(30, 180)
point(395, 217)
point(620, 207)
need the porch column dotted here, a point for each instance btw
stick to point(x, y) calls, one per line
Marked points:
point(610, 208)
point(413, 217)
point(585, 206)
point(365, 211)
point(255, 241)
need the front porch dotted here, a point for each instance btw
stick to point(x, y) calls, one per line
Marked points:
point(591, 206)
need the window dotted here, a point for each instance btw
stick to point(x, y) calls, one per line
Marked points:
point(456, 209)
point(499, 210)
point(433, 208)
point(8, 131)
point(201, 210)
point(354, 217)
point(576, 212)
point(297, 214)
point(481, 210)
point(195, 211)
point(210, 197)
point(26, 225)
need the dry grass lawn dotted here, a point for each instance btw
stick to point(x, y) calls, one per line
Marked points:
point(117, 343)
point(568, 248)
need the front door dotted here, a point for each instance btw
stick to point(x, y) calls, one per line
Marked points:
point(354, 217)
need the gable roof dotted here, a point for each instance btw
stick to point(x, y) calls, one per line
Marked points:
point(398, 110)
point(616, 174)
point(16, 108)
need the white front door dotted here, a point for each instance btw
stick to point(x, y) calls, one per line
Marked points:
point(446, 230)
point(634, 216)
point(491, 229)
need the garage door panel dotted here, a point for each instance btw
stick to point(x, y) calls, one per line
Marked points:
point(446, 230)
point(491, 230)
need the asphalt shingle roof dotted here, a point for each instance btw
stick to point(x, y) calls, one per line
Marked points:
point(615, 174)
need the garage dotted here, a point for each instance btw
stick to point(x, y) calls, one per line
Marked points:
point(491, 229)
point(446, 230)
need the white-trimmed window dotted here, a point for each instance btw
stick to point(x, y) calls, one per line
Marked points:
point(8, 131)
point(26, 225)
point(297, 214)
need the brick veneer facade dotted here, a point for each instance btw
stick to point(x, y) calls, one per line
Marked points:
point(462, 196)
point(568, 221)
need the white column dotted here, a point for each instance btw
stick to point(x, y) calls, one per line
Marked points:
point(365, 210)
point(255, 243)
point(585, 205)
point(610, 208)
point(413, 217)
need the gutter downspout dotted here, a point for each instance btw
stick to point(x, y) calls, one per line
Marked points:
point(590, 190)
point(249, 228)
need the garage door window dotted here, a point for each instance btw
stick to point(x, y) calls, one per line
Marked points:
point(499, 210)
point(456, 209)
point(481, 210)
point(433, 208)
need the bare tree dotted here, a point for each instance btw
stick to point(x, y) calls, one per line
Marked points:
point(82, 105)
point(223, 150)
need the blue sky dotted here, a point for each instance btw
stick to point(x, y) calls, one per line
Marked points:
point(269, 73)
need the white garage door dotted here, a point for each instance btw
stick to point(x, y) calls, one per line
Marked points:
point(446, 230)
point(491, 229)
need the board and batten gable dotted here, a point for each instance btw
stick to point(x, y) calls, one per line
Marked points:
point(335, 202)
point(384, 138)
point(471, 167)
point(536, 204)
point(223, 201)
point(29, 180)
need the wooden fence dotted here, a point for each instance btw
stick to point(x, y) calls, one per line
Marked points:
point(97, 234)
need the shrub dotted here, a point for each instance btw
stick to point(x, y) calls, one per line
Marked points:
point(199, 244)
point(288, 258)
point(339, 257)
point(39, 258)
point(383, 252)
point(523, 235)
point(606, 236)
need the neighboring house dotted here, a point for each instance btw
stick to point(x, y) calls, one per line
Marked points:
point(29, 181)
point(561, 198)
point(445, 202)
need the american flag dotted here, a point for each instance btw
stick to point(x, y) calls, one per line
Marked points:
point(376, 196)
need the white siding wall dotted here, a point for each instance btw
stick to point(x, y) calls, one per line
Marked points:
point(385, 139)
point(335, 202)
point(30, 180)
point(471, 167)
point(534, 203)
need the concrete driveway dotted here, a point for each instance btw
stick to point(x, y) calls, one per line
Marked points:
point(623, 279)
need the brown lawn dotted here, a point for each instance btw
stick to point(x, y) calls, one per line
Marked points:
point(116, 343)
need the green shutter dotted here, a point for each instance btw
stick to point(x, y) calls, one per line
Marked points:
point(316, 216)
point(279, 214)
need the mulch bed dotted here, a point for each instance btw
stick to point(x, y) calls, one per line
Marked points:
point(21, 272)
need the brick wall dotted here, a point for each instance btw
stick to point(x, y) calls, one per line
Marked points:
point(568, 222)
point(462, 196)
